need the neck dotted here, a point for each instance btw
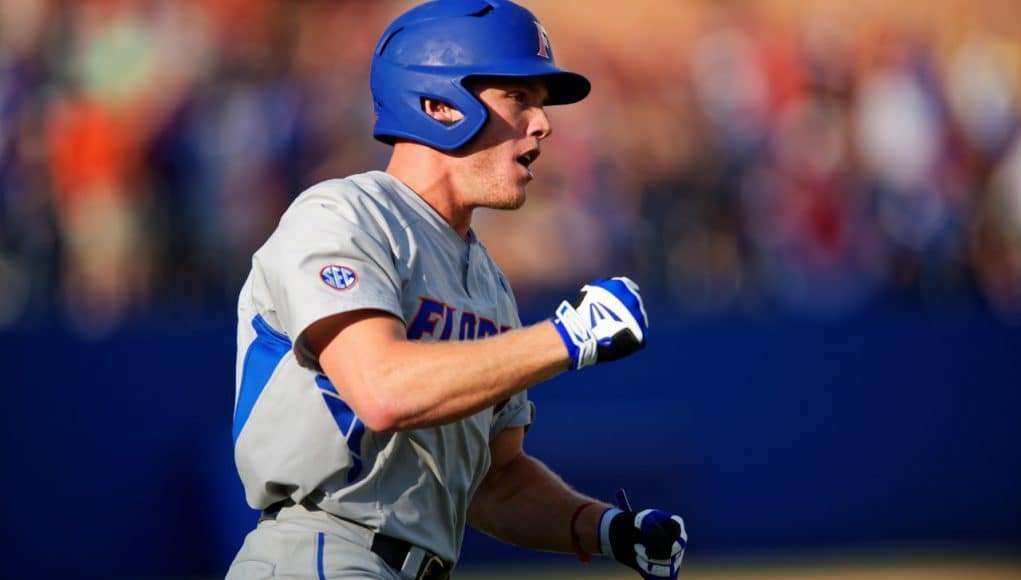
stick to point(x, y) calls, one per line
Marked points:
point(428, 173)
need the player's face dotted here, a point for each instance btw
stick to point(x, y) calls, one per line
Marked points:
point(497, 162)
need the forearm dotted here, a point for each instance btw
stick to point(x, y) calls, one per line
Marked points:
point(528, 505)
point(415, 384)
point(393, 383)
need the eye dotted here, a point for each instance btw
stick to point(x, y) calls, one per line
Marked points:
point(518, 97)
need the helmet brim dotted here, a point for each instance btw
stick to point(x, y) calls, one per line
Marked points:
point(564, 87)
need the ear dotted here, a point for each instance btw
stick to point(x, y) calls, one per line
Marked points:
point(441, 111)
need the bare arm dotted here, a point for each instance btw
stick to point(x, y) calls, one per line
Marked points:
point(393, 383)
point(522, 502)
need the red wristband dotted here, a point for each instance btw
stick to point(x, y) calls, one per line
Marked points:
point(584, 556)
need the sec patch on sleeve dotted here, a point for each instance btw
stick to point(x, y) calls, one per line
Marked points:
point(338, 277)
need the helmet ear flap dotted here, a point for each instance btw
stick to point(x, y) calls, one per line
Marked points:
point(399, 112)
point(441, 111)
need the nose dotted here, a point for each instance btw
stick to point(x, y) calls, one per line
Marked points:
point(539, 126)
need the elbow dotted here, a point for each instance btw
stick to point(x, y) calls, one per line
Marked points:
point(369, 398)
point(379, 412)
point(379, 418)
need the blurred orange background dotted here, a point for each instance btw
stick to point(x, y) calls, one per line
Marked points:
point(734, 156)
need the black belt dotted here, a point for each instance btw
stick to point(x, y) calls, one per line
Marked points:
point(397, 553)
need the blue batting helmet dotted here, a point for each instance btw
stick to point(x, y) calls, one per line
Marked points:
point(430, 50)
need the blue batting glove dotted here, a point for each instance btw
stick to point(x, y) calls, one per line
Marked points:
point(650, 541)
point(606, 322)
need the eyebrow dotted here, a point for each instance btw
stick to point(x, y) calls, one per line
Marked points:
point(535, 87)
point(509, 84)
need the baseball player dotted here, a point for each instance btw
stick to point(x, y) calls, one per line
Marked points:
point(382, 369)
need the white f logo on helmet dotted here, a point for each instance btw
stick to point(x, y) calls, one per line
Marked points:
point(545, 50)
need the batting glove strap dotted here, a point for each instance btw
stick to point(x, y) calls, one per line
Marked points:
point(604, 530)
point(650, 541)
point(577, 336)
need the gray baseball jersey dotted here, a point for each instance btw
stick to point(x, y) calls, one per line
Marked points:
point(364, 242)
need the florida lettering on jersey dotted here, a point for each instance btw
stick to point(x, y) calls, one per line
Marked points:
point(439, 319)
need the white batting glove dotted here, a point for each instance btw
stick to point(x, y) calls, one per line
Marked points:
point(606, 322)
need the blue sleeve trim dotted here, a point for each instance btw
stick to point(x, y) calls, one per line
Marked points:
point(262, 358)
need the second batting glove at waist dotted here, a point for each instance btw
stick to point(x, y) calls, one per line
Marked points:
point(607, 321)
point(651, 541)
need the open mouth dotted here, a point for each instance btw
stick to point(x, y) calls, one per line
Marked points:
point(528, 157)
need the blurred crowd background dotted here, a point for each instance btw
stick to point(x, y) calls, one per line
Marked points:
point(778, 156)
point(758, 166)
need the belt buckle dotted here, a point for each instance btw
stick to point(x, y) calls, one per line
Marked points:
point(433, 569)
